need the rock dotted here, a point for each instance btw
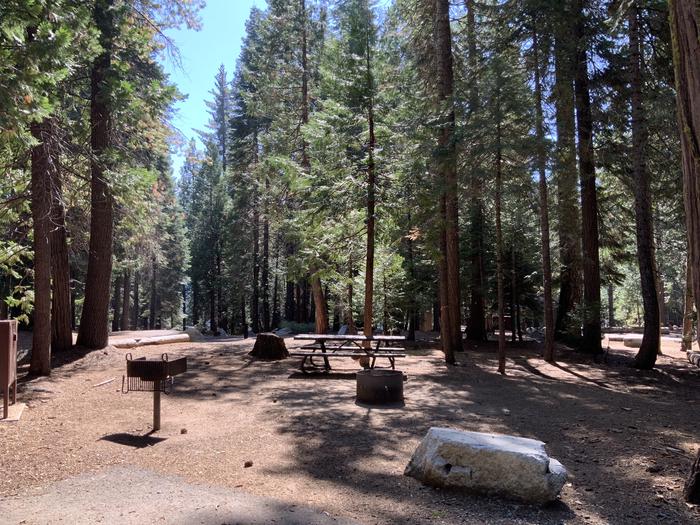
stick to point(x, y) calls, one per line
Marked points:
point(183, 431)
point(194, 334)
point(269, 347)
point(247, 464)
point(632, 341)
point(498, 464)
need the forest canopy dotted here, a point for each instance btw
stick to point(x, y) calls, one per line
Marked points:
point(416, 165)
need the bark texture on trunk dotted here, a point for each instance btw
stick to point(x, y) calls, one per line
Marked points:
point(116, 304)
point(651, 341)
point(154, 293)
point(61, 323)
point(42, 165)
point(568, 229)
point(255, 300)
point(265, 278)
point(447, 179)
point(137, 302)
point(352, 328)
point(499, 256)
point(688, 309)
point(544, 207)
point(94, 327)
point(589, 198)
point(513, 293)
point(685, 33)
point(369, 263)
point(476, 322)
point(321, 308)
point(126, 300)
point(611, 305)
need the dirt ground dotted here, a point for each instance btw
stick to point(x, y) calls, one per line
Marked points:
point(627, 437)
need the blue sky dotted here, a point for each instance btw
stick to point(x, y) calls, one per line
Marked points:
point(218, 42)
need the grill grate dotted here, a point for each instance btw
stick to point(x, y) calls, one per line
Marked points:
point(143, 375)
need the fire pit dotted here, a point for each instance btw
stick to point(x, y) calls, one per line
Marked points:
point(152, 375)
point(379, 387)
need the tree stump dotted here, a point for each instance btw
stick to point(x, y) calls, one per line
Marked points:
point(692, 486)
point(269, 347)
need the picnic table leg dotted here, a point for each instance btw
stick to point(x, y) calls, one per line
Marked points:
point(325, 358)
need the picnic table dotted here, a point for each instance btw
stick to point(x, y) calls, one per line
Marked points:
point(324, 346)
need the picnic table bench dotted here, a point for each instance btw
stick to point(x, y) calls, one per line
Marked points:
point(324, 346)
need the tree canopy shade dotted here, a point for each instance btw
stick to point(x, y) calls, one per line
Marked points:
point(466, 167)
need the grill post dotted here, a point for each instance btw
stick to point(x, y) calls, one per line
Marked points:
point(156, 406)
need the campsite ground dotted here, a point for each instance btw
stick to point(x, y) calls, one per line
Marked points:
point(627, 437)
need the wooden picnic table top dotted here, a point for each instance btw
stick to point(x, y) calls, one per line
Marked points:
point(348, 337)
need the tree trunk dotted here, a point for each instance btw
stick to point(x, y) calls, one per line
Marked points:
point(611, 305)
point(275, 291)
point(213, 326)
point(305, 164)
point(476, 325)
point(265, 278)
point(513, 291)
point(289, 310)
point(688, 309)
point(219, 288)
point(660, 286)
point(685, 34)
point(447, 176)
point(137, 303)
point(519, 323)
point(589, 199)
point(499, 249)
point(544, 207)
point(298, 299)
point(413, 310)
point(61, 330)
point(154, 292)
point(321, 308)
point(255, 301)
point(42, 165)
point(499, 253)
point(116, 304)
point(319, 302)
point(436, 316)
point(94, 328)
point(646, 356)
point(369, 267)
point(568, 230)
point(73, 325)
point(352, 329)
point(126, 300)
point(244, 320)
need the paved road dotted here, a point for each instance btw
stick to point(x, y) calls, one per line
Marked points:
point(126, 495)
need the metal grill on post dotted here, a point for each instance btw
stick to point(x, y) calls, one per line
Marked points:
point(152, 375)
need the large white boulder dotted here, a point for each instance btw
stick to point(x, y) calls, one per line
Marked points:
point(632, 341)
point(509, 466)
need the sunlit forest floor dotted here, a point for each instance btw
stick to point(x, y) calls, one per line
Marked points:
point(627, 437)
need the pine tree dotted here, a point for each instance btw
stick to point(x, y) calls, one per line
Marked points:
point(589, 204)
